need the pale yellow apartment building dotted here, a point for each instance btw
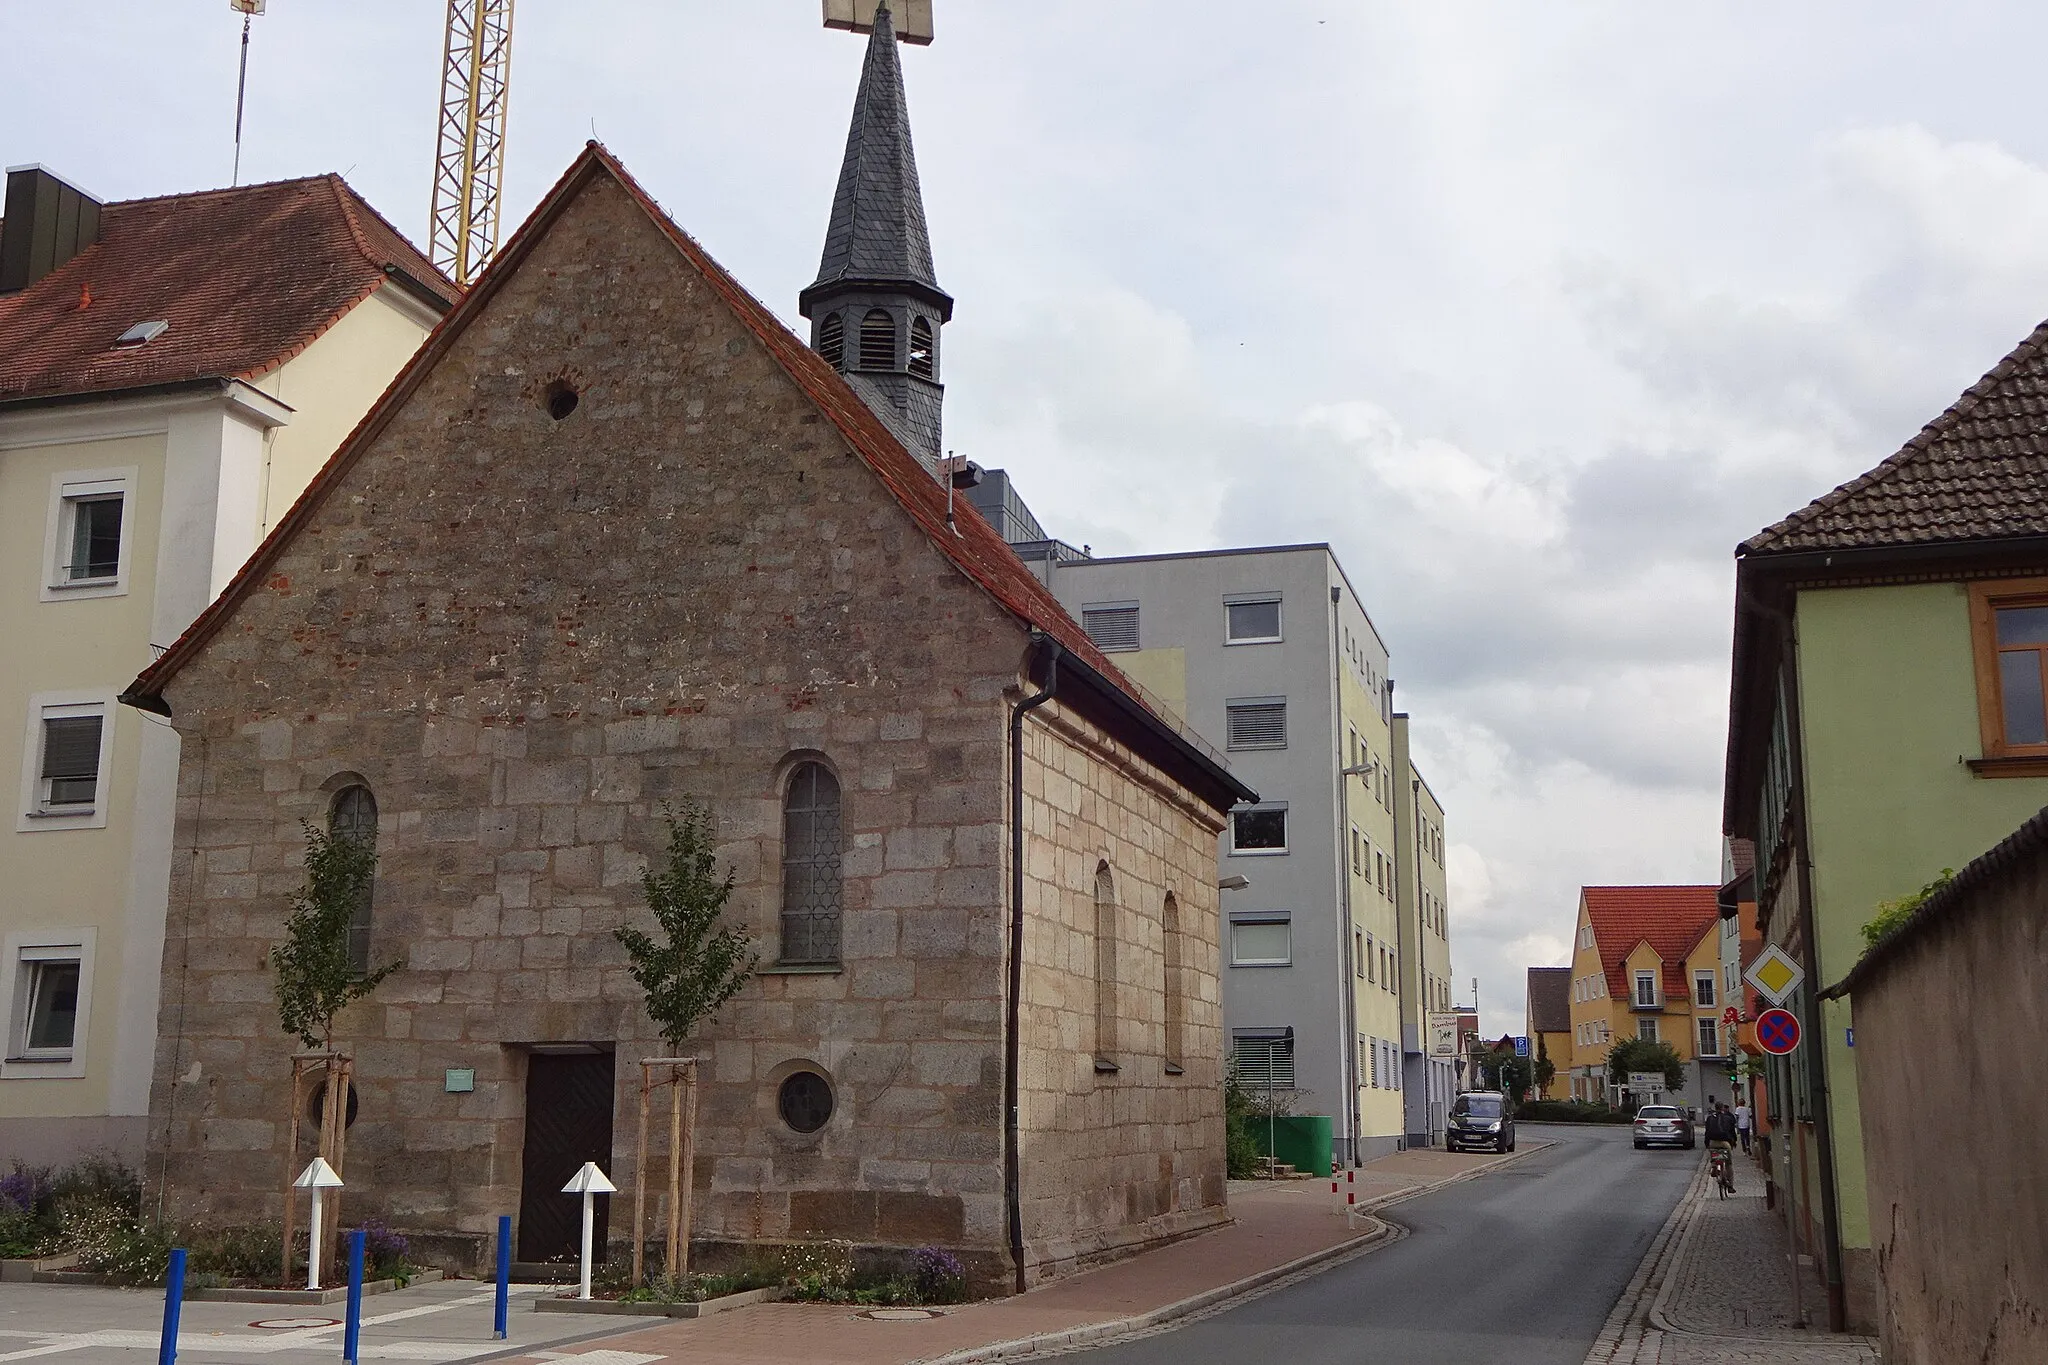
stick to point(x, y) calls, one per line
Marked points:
point(1429, 1078)
point(172, 373)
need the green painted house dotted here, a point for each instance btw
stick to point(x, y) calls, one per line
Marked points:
point(1886, 721)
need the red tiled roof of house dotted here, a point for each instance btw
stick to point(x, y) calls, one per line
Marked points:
point(1550, 999)
point(1671, 919)
point(1979, 471)
point(247, 278)
point(979, 552)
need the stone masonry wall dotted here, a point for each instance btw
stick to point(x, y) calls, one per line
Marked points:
point(1958, 1211)
point(1114, 1159)
point(525, 635)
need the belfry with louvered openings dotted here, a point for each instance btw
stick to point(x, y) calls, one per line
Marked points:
point(876, 308)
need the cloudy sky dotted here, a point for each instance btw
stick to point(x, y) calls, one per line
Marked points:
point(1531, 310)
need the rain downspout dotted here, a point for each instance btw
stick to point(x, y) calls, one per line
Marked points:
point(1012, 1041)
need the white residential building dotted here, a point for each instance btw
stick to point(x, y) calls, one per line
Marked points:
point(173, 371)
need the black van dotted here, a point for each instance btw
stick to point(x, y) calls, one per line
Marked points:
point(1480, 1118)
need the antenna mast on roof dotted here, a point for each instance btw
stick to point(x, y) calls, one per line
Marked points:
point(248, 9)
point(469, 171)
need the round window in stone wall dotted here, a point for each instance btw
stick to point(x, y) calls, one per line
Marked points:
point(805, 1101)
point(316, 1105)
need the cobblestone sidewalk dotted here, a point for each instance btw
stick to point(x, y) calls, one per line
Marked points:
point(1716, 1289)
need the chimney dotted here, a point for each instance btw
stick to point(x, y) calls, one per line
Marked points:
point(46, 223)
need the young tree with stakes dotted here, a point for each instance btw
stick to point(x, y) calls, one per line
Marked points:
point(315, 982)
point(694, 966)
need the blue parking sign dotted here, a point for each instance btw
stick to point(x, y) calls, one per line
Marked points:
point(1521, 1047)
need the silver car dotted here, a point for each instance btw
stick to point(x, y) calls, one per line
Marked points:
point(1662, 1125)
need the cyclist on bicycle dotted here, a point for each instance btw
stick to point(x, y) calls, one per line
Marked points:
point(1721, 1137)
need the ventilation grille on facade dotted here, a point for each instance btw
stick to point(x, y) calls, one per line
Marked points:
point(832, 340)
point(922, 361)
point(1111, 628)
point(877, 341)
point(1255, 725)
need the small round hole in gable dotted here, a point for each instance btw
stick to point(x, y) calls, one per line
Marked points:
point(560, 399)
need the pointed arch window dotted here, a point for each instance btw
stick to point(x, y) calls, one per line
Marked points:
point(1176, 1001)
point(832, 340)
point(878, 340)
point(924, 360)
point(812, 845)
point(353, 816)
point(1105, 970)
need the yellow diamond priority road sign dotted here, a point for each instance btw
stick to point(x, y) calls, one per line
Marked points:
point(1774, 974)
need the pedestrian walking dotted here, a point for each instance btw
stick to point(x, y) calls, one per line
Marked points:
point(1743, 1118)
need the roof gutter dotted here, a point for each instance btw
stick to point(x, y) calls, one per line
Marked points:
point(216, 383)
point(419, 289)
point(1153, 737)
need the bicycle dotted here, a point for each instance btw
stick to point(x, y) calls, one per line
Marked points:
point(1723, 1171)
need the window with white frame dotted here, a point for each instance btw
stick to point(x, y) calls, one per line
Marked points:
point(1646, 1029)
point(1703, 989)
point(1259, 830)
point(1710, 1038)
point(1261, 938)
point(46, 992)
point(66, 748)
point(1251, 619)
point(1255, 723)
point(90, 531)
point(1113, 626)
point(1646, 989)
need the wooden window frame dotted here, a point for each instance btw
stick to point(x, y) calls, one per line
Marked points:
point(2000, 759)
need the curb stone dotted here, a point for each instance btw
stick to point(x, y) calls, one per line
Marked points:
point(1228, 1295)
point(1624, 1337)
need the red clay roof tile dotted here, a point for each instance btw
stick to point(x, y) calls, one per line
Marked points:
point(1671, 919)
point(246, 278)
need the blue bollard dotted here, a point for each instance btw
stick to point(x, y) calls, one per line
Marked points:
point(174, 1303)
point(352, 1333)
point(504, 1272)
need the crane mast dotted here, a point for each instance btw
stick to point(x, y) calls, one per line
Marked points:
point(469, 168)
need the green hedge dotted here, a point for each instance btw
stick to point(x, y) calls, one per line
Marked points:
point(1568, 1111)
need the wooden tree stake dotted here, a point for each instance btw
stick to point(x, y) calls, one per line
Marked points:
point(688, 1087)
point(640, 1182)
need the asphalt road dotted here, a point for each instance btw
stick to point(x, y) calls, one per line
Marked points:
point(1521, 1265)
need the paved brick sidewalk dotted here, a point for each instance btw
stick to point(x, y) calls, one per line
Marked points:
point(1276, 1224)
point(1716, 1289)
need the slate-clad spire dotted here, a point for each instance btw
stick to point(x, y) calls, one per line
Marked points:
point(876, 307)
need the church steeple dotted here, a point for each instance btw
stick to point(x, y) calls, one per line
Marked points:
point(876, 307)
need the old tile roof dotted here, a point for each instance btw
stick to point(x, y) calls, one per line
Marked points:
point(1550, 999)
point(247, 278)
point(1671, 919)
point(1979, 471)
point(974, 547)
point(877, 230)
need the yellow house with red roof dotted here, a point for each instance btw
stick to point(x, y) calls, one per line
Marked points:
point(1646, 964)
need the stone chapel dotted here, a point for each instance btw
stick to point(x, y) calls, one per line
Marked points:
point(615, 537)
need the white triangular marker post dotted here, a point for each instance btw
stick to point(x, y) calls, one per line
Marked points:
point(319, 1177)
point(589, 1182)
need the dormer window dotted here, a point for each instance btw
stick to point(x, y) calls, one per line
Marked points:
point(141, 334)
point(878, 340)
point(832, 340)
point(923, 361)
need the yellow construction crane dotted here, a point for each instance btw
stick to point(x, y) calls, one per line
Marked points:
point(469, 168)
